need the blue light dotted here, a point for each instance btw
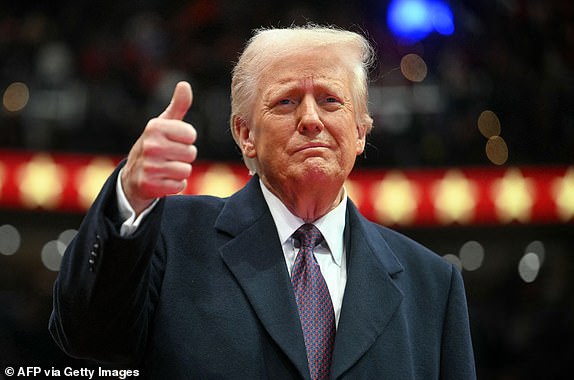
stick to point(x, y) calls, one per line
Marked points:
point(442, 18)
point(413, 20)
point(409, 19)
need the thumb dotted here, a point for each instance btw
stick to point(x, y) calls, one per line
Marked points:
point(180, 102)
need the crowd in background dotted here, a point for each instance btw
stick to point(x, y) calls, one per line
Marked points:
point(97, 71)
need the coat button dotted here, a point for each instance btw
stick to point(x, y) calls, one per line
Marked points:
point(96, 247)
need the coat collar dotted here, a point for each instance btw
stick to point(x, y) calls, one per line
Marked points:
point(255, 257)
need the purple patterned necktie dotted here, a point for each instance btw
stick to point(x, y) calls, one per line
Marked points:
point(314, 303)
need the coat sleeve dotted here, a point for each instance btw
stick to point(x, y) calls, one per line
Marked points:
point(107, 286)
point(457, 355)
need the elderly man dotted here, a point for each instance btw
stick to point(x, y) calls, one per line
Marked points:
point(283, 280)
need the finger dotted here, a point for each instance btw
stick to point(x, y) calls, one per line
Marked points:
point(158, 154)
point(174, 186)
point(175, 171)
point(179, 131)
point(160, 179)
point(172, 130)
point(180, 102)
point(165, 187)
point(181, 153)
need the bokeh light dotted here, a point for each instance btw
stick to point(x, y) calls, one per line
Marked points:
point(497, 150)
point(66, 236)
point(453, 259)
point(9, 240)
point(413, 67)
point(52, 253)
point(537, 247)
point(488, 124)
point(442, 18)
point(409, 19)
point(16, 97)
point(528, 267)
point(471, 255)
point(413, 20)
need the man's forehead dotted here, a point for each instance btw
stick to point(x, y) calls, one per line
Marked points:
point(322, 55)
point(304, 69)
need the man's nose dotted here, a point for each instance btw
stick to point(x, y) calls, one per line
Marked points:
point(309, 119)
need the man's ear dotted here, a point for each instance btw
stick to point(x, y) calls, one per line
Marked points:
point(361, 138)
point(244, 137)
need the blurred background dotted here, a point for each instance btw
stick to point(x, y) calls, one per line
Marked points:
point(472, 152)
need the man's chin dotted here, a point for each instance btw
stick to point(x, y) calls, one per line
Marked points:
point(320, 170)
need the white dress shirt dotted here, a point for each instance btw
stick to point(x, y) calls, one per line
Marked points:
point(330, 253)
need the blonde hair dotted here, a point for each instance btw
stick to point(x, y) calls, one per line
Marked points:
point(267, 45)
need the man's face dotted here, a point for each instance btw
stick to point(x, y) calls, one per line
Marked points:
point(304, 126)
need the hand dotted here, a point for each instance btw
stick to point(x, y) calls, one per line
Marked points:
point(159, 162)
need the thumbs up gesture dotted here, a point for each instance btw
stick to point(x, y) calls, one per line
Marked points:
point(159, 162)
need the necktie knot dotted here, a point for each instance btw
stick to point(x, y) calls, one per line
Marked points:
point(308, 236)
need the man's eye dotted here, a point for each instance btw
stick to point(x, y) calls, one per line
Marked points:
point(331, 99)
point(284, 102)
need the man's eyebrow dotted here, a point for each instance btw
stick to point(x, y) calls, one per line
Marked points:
point(290, 84)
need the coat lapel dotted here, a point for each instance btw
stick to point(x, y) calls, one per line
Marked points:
point(371, 298)
point(255, 257)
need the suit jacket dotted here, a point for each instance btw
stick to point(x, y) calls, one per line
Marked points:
point(202, 291)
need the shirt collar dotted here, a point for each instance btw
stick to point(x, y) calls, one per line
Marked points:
point(331, 225)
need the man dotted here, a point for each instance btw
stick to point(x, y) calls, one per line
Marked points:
point(283, 280)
